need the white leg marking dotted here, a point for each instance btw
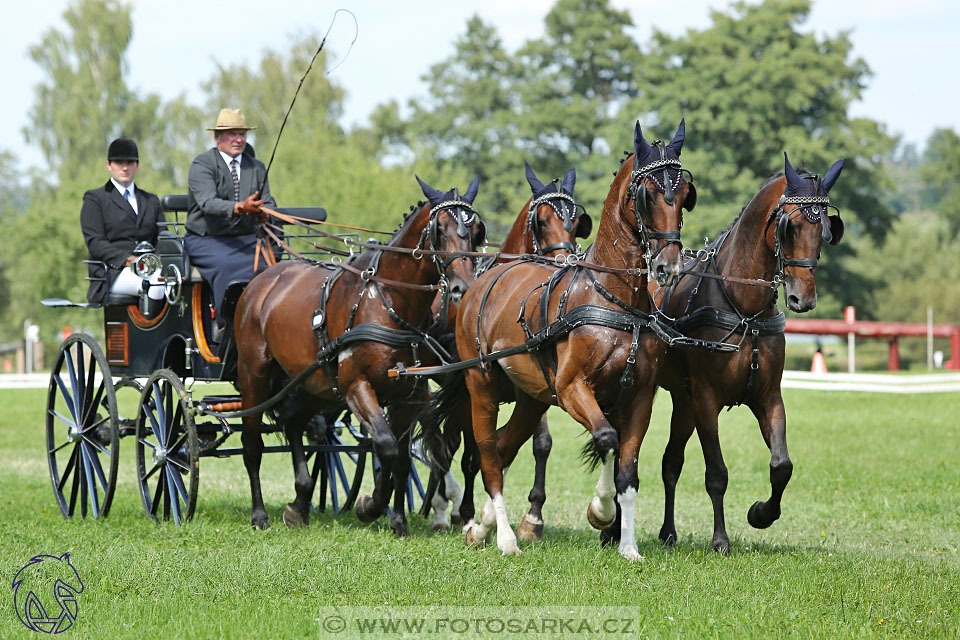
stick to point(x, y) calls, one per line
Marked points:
point(439, 504)
point(602, 504)
point(506, 538)
point(628, 535)
point(477, 533)
point(454, 492)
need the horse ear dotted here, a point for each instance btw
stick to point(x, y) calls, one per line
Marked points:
point(793, 180)
point(532, 180)
point(690, 200)
point(481, 233)
point(569, 180)
point(677, 143)
point(432, 194)
point(836, 229)
point(584, 226)
point(640, 146)
point(472, 190)
point(832, 174)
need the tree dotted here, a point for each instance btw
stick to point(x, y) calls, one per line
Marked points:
point(752, 86)
point(941, 170)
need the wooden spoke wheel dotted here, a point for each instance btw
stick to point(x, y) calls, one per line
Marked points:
point(168, 455)
point(82, 429)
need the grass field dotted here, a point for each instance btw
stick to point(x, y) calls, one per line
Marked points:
point(867, 545)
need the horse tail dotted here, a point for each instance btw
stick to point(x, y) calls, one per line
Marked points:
point(436, 420)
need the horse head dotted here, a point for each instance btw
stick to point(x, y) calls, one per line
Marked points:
point(554, 219)
point(800, 227)
point(660, 191)
point(453, 226)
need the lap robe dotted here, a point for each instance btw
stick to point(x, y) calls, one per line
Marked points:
point(222, 260)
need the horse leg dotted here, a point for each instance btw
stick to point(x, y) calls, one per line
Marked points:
point(470, 467)
point(363, 403)
point(452, 490)
point(531, 527)
point(681, 428)
point(401, 472)
point(252, 376)
point(773, 425)
point(297, 513)
point(636, 421)
point(578, 400)
point(715, 474)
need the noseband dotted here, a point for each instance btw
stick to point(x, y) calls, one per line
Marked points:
point(665, 186)
point(565, 208)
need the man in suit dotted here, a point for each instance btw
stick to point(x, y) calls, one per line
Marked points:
point(224, 203)
point(116, 217)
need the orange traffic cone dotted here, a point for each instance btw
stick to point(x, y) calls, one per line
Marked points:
point(818, 365)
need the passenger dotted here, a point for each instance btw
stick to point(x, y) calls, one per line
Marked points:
point(223, 206)
point(114, 219)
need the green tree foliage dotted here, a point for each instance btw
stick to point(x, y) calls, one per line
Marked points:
point(941, 170)
point(752, 86)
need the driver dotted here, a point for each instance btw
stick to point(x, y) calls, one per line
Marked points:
point(114, 218)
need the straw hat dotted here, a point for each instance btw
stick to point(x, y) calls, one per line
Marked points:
point(229, 119)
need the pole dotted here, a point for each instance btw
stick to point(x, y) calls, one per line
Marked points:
point(850, 315)
point(930, 338)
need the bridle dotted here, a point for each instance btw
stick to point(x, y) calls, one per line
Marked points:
point(465, 216)
point(662, 166)
point(565, 208)
point(813, 209)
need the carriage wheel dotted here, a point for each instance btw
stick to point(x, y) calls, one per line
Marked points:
point(168, 455)
point(340, 473)
point(82, 428)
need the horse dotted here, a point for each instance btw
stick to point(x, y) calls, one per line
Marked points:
point(546, 227)
point(777, 237)
point(588, 350)
point(367, 315)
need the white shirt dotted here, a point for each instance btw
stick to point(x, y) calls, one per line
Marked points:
point(133, 193)
point(228, 159)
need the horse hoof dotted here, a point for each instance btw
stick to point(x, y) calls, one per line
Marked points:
point(364, 509)
point(510, 550)
point(440, 528)
point(596, 522)
point(470, 536)
point(722, 547)
point(668, 537)
point(293, 518)
point(610, 536)
point(631, 554)
point(260, 520)
point(399, 525)
point(530, 530)
point(456, 521)
point(758, 519)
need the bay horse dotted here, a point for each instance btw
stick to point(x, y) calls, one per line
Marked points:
point(777, 237)
point(588, 349)
point(546, 227)
point(366, 315)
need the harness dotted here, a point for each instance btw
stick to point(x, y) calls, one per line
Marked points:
point(407, 335)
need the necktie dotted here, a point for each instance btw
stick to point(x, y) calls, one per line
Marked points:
point(130, 201)
point(236, 180)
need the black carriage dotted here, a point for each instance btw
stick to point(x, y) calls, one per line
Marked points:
point(159, 356)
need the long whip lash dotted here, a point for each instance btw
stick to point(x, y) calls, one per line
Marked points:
point(356, 33)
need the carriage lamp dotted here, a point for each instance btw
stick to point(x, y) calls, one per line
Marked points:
point(147, 262)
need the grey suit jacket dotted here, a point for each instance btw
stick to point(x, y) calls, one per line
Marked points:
point(112, 231)
point(210, 197)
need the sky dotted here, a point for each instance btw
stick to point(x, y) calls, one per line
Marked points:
point(911, 47)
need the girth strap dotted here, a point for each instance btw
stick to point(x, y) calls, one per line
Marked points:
point(730, 321)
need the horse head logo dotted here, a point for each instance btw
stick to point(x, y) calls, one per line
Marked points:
point(43, 581)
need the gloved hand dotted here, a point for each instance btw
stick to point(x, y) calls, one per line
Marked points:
point(250, 206)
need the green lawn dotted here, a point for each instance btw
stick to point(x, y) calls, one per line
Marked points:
point(867, 545)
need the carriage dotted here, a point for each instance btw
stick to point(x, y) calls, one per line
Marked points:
point(159, 357)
